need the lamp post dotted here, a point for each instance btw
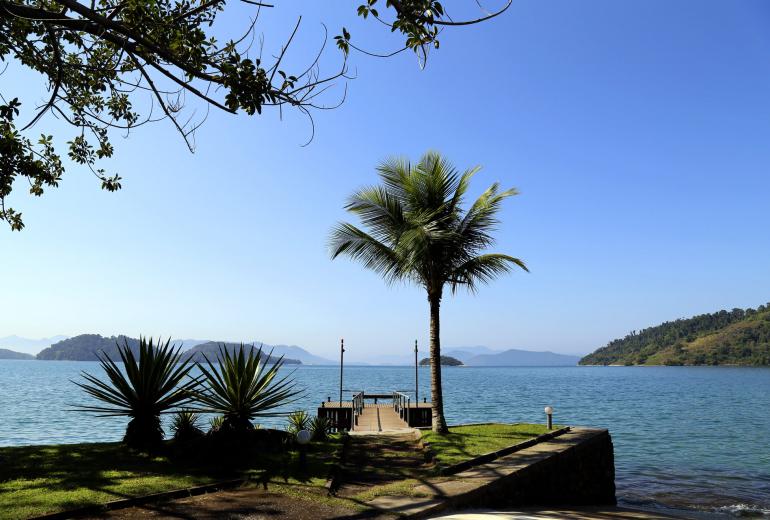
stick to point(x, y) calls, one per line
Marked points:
point(303, 437)
point(549, 417)
point(416, 377)
point(342, 355)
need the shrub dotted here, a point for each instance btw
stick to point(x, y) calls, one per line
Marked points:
point(141, 390)
point(241, 387)
point(185, 426)
point(215, 424)
point(298, 420)
point(320, 428)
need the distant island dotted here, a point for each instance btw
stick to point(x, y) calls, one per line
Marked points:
point(737, 337)
point(10, 354)
point(446, 361)
point(211, 350)
point(86, 346)
point(517, 358)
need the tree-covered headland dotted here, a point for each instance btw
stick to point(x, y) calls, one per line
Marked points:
point(736, 337)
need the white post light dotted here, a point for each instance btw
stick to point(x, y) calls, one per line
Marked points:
point(549, 417)
point(303, 437)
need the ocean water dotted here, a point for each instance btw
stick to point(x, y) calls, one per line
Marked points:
point(694, 441)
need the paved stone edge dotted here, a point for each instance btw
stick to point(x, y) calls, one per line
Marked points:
point(439, 504)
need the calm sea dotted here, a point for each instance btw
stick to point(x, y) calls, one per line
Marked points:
point(688, 440)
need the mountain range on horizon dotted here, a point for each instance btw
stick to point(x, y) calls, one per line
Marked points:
point(481, 355)
point(86, 346)
point(15, 347)
point(27, 345)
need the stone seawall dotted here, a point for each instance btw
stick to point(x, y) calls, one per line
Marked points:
point(576, 469)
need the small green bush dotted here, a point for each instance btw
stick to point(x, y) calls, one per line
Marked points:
point(215, 424)
point(185, 426)
point(299, 420)
point(320, 428)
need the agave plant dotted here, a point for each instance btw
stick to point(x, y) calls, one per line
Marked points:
point(185, 426)
point(320, 427)
point(243, 385)
point(216, 423)
point(142, 390)
point(299, 420)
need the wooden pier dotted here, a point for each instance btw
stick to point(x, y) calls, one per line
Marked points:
point(388, 412)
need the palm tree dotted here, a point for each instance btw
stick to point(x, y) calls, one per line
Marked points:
point(242, 387)
point(143, 390)
point(419, 232)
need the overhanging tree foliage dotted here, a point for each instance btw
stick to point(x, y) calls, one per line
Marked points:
point(98, 56)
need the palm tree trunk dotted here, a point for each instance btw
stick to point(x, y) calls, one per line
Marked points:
point(439, 423)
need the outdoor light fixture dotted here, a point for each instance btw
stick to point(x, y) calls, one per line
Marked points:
point(303, 437)
point(549, 417)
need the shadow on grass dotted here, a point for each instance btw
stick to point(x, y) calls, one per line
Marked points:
point(40, 479)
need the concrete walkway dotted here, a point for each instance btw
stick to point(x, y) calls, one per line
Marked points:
point(432, 496)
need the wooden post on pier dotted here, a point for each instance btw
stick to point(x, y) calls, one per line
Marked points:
point(342, 355)
point(416, 377)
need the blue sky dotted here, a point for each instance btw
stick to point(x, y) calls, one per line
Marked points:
point(638, 134)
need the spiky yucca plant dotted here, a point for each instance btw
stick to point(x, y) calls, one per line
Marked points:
point(185, 426)
point(298, 420)
point(142, 390)
point(320, 427)
point(243, 386)
point(215, 424)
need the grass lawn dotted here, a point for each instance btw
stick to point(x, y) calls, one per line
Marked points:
point(465, 442)
point(35, 480)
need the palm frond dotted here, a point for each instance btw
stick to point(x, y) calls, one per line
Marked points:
point(415, 227)
point(482, 269)
point(346, 239)
point(379, 210)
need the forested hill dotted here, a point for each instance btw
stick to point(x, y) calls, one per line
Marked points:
point(11, 354)
point(211, 350)
point(737, 337)
point(86, 346)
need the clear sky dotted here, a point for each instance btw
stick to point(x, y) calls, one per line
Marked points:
point(638, 133)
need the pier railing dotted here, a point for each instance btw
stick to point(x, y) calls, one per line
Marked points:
point(358, 408)
point(401, 404)
point(345, 414)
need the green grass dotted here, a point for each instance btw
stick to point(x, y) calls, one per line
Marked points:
point(35, 480)
point(465, 442)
